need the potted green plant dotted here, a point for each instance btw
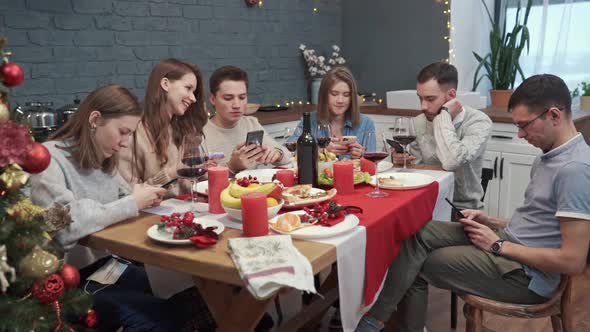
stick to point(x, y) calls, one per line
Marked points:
point(501, 64)
point(583, 90)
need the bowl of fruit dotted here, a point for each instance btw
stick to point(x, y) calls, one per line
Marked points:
point(231, 196)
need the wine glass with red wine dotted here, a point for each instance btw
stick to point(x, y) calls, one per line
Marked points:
point(376, 157)
point(323, 135)
point(194, 162)
point(291, 135)
point(404, 133)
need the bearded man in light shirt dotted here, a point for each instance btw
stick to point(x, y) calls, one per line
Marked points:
point(449, 134)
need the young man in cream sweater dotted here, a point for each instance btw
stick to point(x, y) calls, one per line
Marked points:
point(226, 131)
point(450, 134)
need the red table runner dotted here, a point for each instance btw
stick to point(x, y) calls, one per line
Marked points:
point(388, 222)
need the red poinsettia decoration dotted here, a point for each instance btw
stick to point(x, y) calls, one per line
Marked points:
point(15, 143)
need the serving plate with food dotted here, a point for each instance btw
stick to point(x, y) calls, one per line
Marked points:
point(403, 181)
point(178, 229)
point(305, 195)
point(292, 224)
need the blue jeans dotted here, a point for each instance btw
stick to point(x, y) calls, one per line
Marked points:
point(129, 302)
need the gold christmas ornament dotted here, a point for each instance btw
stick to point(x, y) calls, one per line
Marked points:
point(38, 263)
point(56, 218)
point(25, 210)
point(13, 178)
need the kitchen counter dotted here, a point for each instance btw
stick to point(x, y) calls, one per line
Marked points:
point(581, 118)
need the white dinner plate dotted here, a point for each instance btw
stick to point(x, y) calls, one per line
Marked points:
point(310, 201)
point(384, 165)
point(166, 237)
point(318, 232)
point(203, 188)
point(408, 180)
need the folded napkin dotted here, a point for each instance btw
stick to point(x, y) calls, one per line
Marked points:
point(268, 263)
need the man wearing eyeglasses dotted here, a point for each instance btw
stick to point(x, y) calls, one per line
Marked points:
point(450, 134)
point(520, 260)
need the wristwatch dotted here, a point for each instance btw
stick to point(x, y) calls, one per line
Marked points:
point(497, 246)
point(444, 108)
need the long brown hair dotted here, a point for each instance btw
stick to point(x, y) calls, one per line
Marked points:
point(335, 75)
point(112, 101)
point(155, 117)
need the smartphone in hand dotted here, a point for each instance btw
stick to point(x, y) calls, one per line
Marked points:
point(455, 209)
point(394, 144)
point(169, 183)
point(255, 137)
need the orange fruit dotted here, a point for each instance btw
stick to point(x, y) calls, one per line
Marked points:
point(288, 222)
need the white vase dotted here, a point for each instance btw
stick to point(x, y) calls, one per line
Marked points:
point(315, 90)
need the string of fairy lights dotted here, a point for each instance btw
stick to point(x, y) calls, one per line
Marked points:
point(450, 28)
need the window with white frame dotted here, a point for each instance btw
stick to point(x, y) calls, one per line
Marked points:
point(559, 42)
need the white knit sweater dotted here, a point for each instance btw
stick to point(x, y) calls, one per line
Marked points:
point(456, 147)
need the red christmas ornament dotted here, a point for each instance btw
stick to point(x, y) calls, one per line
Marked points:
point(12, 74)
point(90, 319)
point(48, 290)
point(70, 276)
point(37, 159)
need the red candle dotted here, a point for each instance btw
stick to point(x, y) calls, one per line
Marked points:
point(343, 177)
point(254, 214)
point(286, 176)
point(217, 181)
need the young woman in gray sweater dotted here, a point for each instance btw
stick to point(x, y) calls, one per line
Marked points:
point(82, 176)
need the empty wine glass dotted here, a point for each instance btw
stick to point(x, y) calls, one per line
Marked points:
point(194, 162)
point(376, 157)
point(404, 133)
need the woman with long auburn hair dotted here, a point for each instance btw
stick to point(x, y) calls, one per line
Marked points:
point(173, 108)
point(83, 177)
point(339, 108)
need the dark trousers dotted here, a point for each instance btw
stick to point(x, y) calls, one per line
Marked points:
point(129, 303)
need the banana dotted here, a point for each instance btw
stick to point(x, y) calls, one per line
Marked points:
point(330, 155)
point(322, 156)
point(229, 201)
point(237, 191)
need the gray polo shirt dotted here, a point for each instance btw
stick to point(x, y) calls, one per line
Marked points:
point(560, 180)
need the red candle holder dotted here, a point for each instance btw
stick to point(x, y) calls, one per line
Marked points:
point(344, 177)
point(254, 214)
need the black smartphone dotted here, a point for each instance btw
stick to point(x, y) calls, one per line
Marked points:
point(255, 137)
point(457, 211)
point(394, 144)
point(169, 183)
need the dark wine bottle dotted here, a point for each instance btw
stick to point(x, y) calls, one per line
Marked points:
point(307, 154)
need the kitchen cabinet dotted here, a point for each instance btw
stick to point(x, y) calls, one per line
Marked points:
point(511, 159)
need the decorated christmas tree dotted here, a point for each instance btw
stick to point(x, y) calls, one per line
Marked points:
point(37, 291)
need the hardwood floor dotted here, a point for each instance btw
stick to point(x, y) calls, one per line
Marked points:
point(439, 315)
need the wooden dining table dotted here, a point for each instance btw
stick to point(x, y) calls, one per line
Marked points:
point(213, 271)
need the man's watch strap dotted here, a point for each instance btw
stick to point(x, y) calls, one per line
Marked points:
point(497, 246)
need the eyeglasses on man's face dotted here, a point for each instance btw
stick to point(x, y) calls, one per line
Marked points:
point(522, 126)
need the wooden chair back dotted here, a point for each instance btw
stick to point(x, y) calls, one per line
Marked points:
point(558, 307)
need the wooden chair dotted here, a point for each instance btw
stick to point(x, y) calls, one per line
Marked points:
point(486, 175)
point(557, 307)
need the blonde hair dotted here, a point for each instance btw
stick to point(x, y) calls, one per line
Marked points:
point(335, 75)
point(112, 101)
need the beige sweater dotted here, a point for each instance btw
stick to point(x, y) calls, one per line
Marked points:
point(225, 140)
point(147, 168)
